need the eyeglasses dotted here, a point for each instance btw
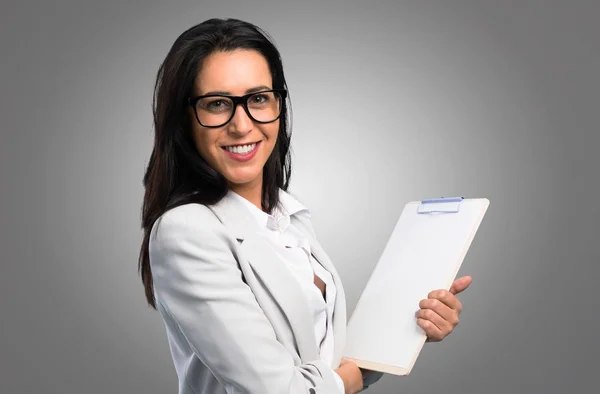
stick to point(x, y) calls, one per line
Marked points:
point(216, 110)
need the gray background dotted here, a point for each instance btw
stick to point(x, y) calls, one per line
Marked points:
point(392, 101)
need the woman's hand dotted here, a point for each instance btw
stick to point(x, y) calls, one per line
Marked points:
point(439, 313)
point(351, 375)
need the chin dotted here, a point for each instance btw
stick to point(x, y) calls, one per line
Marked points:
point(242, 178)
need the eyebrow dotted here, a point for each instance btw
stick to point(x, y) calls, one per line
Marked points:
point(251, 90)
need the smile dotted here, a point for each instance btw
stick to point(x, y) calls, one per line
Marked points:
point(241, 152)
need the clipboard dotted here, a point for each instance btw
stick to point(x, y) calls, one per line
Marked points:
point(424, 252)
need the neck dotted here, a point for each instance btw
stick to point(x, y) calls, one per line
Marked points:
point(251, 191)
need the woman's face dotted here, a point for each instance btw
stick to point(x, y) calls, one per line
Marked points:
point(235, 73)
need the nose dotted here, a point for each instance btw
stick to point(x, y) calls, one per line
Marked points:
point(241, 123)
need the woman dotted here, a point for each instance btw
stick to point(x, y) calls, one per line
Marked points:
point(250, 301)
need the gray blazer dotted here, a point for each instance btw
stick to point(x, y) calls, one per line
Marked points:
point(233, 312)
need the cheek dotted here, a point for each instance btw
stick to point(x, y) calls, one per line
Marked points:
point(272, 133)
point(274, 129)
point(204, 145)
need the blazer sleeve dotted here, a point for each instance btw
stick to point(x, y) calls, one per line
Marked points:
point(371, 378)
point(199, 284)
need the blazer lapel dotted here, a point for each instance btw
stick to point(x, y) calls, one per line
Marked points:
point(265, 260)
point(339, 315)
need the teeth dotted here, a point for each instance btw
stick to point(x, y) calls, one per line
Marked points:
point(241, 149)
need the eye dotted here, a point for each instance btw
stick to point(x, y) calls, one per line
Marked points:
point(260, 99)
point(215, 104)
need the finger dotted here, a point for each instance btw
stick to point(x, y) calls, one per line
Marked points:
point(439, 322)
point(461, 284)
point(447, 313)
point(447, 298)
point(431, 330)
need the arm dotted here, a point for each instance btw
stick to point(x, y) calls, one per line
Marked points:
point(199, 284)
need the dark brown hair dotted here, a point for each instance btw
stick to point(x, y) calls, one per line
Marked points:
point(176, 173)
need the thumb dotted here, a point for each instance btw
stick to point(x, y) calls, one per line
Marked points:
point(460, 284)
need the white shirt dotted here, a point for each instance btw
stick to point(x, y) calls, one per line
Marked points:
point(301, 263)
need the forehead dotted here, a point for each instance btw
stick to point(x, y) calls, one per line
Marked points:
point(233, 71)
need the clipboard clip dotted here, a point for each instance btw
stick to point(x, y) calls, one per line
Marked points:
point(440, 205)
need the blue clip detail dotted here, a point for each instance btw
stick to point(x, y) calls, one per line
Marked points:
point(440, 205)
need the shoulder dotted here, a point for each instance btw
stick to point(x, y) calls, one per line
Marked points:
point(187, 236)
point(192, 217)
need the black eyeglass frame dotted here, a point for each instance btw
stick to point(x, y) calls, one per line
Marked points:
point(237, 100)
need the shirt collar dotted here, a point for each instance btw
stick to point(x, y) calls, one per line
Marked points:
point(291, 205)
point(280, 219)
